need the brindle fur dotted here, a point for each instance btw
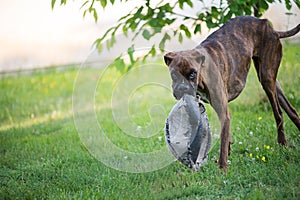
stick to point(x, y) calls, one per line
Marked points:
point(222, 62)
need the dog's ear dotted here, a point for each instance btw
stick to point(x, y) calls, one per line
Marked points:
point(169, 57)
point(198, 56)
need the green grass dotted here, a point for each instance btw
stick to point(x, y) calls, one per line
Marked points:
point(44, 155)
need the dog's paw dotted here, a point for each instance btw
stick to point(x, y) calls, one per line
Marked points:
point(281, 140)
point(222, 166)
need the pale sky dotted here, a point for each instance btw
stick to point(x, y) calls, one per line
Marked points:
point(34, 35)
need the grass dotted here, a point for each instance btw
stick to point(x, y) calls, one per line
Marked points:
point(45, 152)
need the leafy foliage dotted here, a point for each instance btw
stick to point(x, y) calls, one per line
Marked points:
point(148, 20)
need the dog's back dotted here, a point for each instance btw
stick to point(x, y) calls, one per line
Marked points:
point(237, 42)
point(246, 30)
point(244, 34)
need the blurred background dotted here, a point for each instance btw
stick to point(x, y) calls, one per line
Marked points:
point(32, 35)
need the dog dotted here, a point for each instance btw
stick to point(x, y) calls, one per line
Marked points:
point(217, 69)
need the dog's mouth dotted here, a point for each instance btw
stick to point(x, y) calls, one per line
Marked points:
point(179, 90)
point(182, 85)
point(179, 94)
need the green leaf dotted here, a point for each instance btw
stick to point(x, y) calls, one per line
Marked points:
point(137, 14)
point(197, 28)
point(63, 2)
point(181, 4)
point(247, 10)
point(297, 2)
point(153, 23)
point(130, 52)
point(153, 51)
point(167, 8)
point(120, 64)
point(169, 21)
point(150, 12)
point(264, 5)
point(234, 8)
point(99, 47)
point(133, 26)
point(186, 30)
point(209, 22)
point(227, 17)
point(125, 30)
point(156, 30)
point(215, 13)
point(108, 44)
point(163, 41)
point(180, 38)
point(95, 15)
point(103, 3)
point(190, 3)
point(112, 2)
point(146, 34)
point(84, 13)
point(288, 4)
point(161, 14)
point(239, 2)
point(112, 40)
point(53, 4)
point(175, 32)
point(201, 16)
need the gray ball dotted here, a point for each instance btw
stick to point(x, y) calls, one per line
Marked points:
point(187, 132)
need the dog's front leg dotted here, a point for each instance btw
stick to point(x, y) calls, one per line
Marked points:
point(225, 140)
point(218, 97)
point(220, 104)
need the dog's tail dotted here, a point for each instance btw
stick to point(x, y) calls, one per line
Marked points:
point(289, 33)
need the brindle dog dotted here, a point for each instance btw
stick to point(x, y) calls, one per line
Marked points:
point(217, 70)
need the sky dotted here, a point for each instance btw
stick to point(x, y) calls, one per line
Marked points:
point(34, 35)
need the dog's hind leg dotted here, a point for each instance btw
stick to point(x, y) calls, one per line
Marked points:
point(270, 89)
point(288, 108)
point(267, 65)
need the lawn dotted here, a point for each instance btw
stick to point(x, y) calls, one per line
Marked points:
point(90, 133)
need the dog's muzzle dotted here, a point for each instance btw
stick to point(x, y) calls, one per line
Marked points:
point(183, 88)
point(181, 85)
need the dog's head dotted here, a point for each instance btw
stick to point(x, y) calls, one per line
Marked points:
point(184, 67)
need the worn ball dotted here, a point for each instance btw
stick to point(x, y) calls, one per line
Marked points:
point(187, 132)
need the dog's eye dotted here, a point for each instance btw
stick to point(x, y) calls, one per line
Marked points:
point(193, 76)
